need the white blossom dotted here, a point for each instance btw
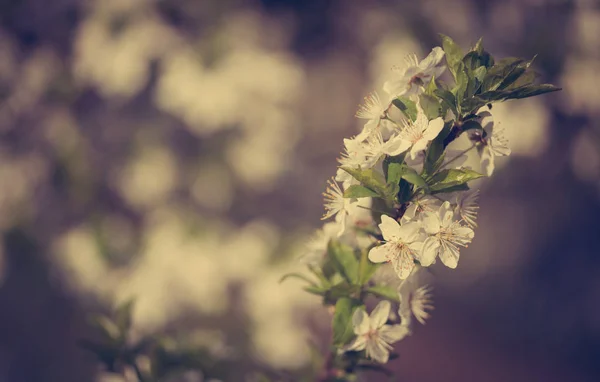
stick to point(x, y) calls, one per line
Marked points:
point(416, 207)
point(336, 205)
point(415, 75)
point(373, 335)
point(354, 155)
point(317, 245)
point(415, 299)
point(377, 146)
point(402, 247)
point(373, 109)
point(492, 145)
point(420, 132)
point(445, 236)
point(467, 207)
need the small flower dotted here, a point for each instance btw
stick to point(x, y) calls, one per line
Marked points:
point(415, 299)
point(354, 155)
point(415, 75)
point(336, 204)
point(316, 248)
point(376, 147)
point(416, 207)
point(446, 235)
point(403, 244)
point(373, 334)
point(373, 109)
point(421, 132)
point(491, 145)
point(467, 206)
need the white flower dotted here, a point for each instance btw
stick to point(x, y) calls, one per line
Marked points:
point(416, 207)
point(446, 235)
point(373, 334)
point(415, 299)
point(376, 147)
point(492, 145)
point(354, 155)
point(317, 245)
point(416, 74)
point(421, 132)
point(403, 244)
point(467, 206)
point(336, 204)
point(373, 109)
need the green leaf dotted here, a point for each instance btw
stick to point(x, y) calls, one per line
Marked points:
point(392, 159)
point(459, 187)
point(384, 291)
point(478, 48)
point(411, 176)
point(462, 81)
point(470, 125)
point(435, 152)
point(297, 276)
point(515, 73)
point(449, 178)
point(406, 106)
point(394, 173)
point(472, 104)
point(319, 291)
point(448, 99)
point(342, 321)
point(366, 268)
point(497, 73)
point(431, 86)
point(368, 178)
point(527, 79)
point(454, 53)
point(344, 260)
point(430, 105)
point(340, 290)
point(357, 191)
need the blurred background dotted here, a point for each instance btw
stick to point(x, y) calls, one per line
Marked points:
point(175, 152)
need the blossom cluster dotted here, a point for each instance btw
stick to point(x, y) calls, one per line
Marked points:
point(401, 198)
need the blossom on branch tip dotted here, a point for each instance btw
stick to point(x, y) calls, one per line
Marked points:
point(373, 335)
point(415, 74)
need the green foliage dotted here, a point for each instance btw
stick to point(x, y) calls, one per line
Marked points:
point(406, 106)
point(385, 292)
point(446, 179)
point(454, 54)
point(357, 191)
point(342, 320)
point(344, 260)
point(369, 178)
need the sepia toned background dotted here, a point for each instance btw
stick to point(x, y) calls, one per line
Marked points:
point(175, 152)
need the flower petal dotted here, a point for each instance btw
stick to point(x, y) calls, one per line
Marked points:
point(403, 264)
point(487, 161)
point(358, 344)
point(377, 351)
point(430, 251)
point(393, 333)
point(434, 128)
point(390, 229)
point(396, 146)
point(380, 314)
point(409, 232)
point(360, 321)
point(449, 255)
point(430, 222)
point(382, 253)
point(432, 59)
